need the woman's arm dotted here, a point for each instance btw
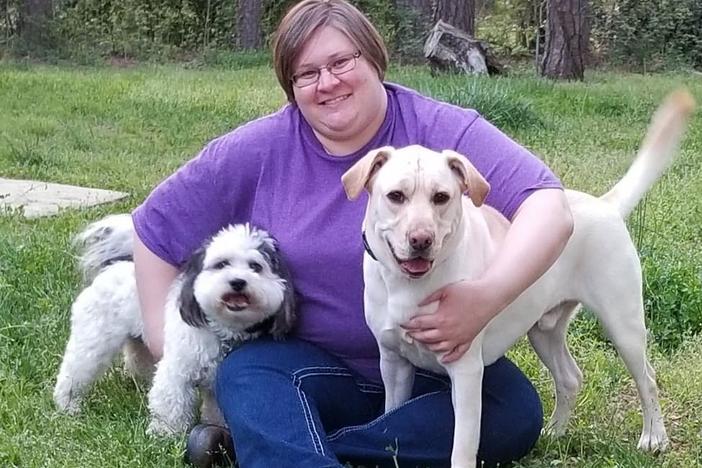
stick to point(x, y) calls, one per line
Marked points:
point(539, 231)
point(153, 278)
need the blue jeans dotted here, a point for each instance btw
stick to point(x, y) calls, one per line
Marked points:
point(291, 404)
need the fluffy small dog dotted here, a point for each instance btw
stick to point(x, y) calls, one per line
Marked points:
point(234, 288)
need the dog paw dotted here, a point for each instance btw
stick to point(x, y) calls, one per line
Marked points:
point(555, 428)
point(653, 441)
point(159, 428)
point(67, 404)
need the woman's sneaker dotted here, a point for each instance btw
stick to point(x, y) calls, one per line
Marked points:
point(209, 446)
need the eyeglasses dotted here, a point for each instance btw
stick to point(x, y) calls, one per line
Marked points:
point(336, 67)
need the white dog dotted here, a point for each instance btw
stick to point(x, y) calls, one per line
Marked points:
point(415, 193)
point(234, 288)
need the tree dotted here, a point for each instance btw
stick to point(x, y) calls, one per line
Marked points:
point(249, 34)
point(567, 38)
point(423, 8)
point(33, 16)
point(458, 13)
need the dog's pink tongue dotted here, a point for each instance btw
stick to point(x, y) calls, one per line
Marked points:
point(416, 265)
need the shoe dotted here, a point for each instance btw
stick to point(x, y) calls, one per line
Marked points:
point(208, 446)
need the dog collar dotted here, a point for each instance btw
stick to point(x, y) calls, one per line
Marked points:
point(263, 326)
point(123, 258)
point(367, 247)
point(229, 343)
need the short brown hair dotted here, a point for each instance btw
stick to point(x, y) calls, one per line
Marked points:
point(308, 16)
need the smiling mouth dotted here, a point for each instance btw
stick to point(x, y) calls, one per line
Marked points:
point(415, 267)
point(331, 102)
point(235, 301)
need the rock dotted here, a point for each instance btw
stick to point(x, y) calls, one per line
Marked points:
point(36, 199)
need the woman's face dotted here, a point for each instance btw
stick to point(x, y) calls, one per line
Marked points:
point(340, 108)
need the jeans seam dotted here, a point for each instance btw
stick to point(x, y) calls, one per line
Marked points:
point(344, 430)
point(338, 371)
point(311, 427)
point(297, 378)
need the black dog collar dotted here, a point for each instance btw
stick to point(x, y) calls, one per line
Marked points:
point(263, 326)
point(123, 258)
point(367, 247)
point(260, 328)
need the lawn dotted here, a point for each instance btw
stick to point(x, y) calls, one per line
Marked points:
point(128, 128)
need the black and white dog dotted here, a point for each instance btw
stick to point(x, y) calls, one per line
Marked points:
point(234, 288)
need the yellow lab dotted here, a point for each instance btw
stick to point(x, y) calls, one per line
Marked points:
point(425, 235)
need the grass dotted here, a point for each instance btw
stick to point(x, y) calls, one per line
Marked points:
point(128, 128)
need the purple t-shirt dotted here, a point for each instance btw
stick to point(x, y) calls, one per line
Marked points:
point(274, 173)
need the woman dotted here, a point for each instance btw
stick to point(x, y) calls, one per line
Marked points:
point(315, 400)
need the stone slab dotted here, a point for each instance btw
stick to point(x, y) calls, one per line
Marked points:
point(36, 199)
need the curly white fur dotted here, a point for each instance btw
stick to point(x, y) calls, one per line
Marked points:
point(233, 289)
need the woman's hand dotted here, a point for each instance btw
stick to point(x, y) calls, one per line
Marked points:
point(464, 308)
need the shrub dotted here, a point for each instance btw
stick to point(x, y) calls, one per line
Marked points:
point(495, 103)
point(648, 34)
point(672, 298)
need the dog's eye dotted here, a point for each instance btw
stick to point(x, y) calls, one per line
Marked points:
point(396, 197)
point(256, 267)
point(220, 265)
point(440, 198)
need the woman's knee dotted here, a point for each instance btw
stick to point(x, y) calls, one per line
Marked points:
point(512, 415)
point(515, 437)
point(527, 423)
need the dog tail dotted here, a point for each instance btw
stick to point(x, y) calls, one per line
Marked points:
point(103, 243)
point(656, 153)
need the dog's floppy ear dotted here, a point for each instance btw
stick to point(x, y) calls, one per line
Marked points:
point(359, 176)
point(468, 176)
point(285, 316)
point(190, 310)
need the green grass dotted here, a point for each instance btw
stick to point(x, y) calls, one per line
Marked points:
point(126, 129)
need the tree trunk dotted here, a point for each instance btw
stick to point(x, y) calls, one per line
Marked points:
point(249, 34)
point(567, 37)
point(450, 49)
point(458, 13)
point(32, 22)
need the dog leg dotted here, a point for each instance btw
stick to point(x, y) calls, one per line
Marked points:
point(548, 338)
point(466, 390)
point(90, 350)
point(624, 323)
point(172, 398)
point(138, 361)
point(398, 378)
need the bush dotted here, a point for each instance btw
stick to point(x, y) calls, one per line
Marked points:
point(649, 34)
point(495, 103)
point(141, 29)
point(672, 298)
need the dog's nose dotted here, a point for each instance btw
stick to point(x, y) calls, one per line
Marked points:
point(237, 284)
point(421, 239)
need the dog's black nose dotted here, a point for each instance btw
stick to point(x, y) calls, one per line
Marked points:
point(237, 284)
